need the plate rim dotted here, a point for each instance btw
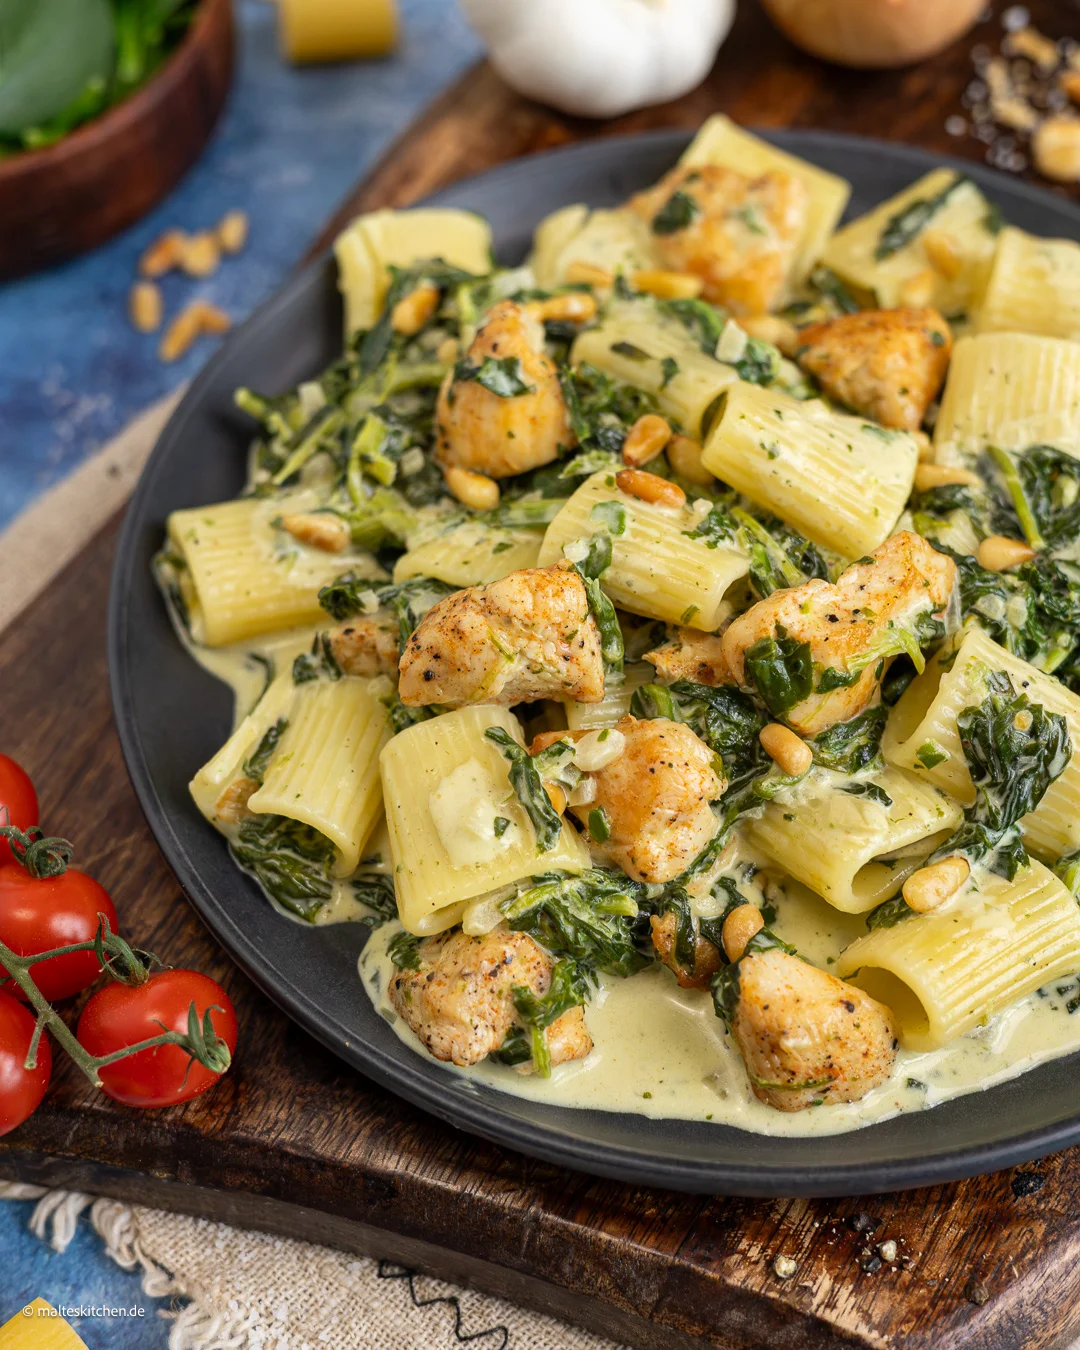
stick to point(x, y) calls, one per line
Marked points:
point(414, 1083)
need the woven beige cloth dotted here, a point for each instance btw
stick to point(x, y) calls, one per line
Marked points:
point(231, 1289)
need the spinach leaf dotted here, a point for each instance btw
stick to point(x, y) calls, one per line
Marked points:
point(344, 598)
point(590, 917)
point(872, 791)
point(759, 363)
point(499, 375)
point(290, 861)
point(726, 719)
point(704, 322)
point(376, 891)
point(404, 951)
point(852, 747)
point(374, 346)
point(526, 782)
point(779, 556)
point(901, 228)
point(318, 664)
point(257, 763)
point(676, 214)
point(601, 410)
point(568, 989)
point(780, 668)
point(889, 913)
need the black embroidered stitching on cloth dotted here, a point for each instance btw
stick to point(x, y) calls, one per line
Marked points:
point(389, 1271)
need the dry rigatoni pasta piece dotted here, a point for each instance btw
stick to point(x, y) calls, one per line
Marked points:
point(945, 973)
point(840, 480)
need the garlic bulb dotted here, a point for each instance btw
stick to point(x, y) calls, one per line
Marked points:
point(601, 58)
point(873, 32)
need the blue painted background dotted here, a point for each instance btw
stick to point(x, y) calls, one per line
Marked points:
point(73, 373)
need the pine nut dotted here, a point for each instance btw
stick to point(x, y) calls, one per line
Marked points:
point(739, 927)
point(649, 487)
point(212, 319)
point(412, 311)
point(771, 328)
point(930, 887)
point(573, 306)
point(583, 273)
point(790, 753)
point(163, 254)
point(232, 231)
point(667, 285)
point(448, 351)
point(1015, 112)
point(918, 291)
point(474, 490)
point(232, 805)
point(1031, 43)
point(556, 796)
point(319, 529)
point(195, 319)
point(1056, 147)
point(943, 253)
point(145, 306)
point(929, 476)
point(200, 255)
point(1069, 80)
point(684, 456)
point(645, 439)
point(998, 554)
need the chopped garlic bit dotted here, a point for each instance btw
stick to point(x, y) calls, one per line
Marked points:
point(598, 749)
point(577, 550)
point(731, 346)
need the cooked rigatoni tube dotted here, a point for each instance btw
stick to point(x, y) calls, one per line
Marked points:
point(639, 343)
point(471, 555)
point(615, 703)
point(721, 141)
point(931, 244)
point(840, 480)
point(248, 576)
point(947, 972)
point(613, 241)
point(371, 244)
point(1034, 287)
point(1010, 390)
point(457, 827)
point(921, 733)
point(855, 842)
point(657, 569)
point(325, 769)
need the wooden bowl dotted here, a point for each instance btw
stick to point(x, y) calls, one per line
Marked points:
point(72, 196)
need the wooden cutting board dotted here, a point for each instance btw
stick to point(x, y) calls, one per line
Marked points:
point(294, 1142)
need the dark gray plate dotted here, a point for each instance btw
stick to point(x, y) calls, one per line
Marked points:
point(172, 716)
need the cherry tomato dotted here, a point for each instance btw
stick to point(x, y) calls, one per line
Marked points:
point(18, 802)
point(120, 1015)
point(38, 913)
point(21, 1089)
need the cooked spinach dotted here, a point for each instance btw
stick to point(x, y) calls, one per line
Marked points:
point(498, 375)
point(759, 363)
point(257, 763)
point(526, 782)
point(374, 346)
point(601, 410)
point(779, 556)
point(376, 891)
point(291, 861)
point(677, 213)
point(727, 720)
point(872, 791)
point(900, 229)
point(318, 664)
point(854, 746)
point(781, 669)
point(404, 951)
point(350, 595)
point(568, 989)
point(704, 322)
point(591, 917)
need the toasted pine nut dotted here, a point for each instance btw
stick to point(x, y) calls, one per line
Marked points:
point(790, 753)
point(412, 311)
point(943, 253)
point(232, 805)
point(918, 291)
point(212, 319)
point(650, 487)
point(739, 927)
point(232, 231)
point(929, 476)
point(1013, 111)
point(771, 328)
point(145, 306)
point(474, 490)
point(581, 273)
point(448, 351)
point(667, 285)
point(1056, 147)
point(684, 456)
point(181, 333)
point(1069, 80)
point(556, 796)
point(1031, 43)
point(645, 439)
point(318, 529)
point(926, 446)
point(574, 306)
point(163, 254)
point(931, 886)
point(998, 553)
point(200, 255)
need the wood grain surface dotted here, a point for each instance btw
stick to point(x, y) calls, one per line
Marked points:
point(294, 1142)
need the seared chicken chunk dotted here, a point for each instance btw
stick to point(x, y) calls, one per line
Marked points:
point(461, 1003)
point(690, 655)
point(365, 647)
point(888, 364)
point(706, 957)
point(879, 607)
point(518, 428)
point(527, 636)
point(738, 234)
point(806, 1036)
point(654, 796)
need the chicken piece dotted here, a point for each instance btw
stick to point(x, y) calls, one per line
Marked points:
point(738, 234)
point(461, 1004)
point(365, 647)
point(888, 364)
point(499, 434)
point(529, 635)
point(706, 957)
point(690, 655)
point(806, 1036)
point(878, 607)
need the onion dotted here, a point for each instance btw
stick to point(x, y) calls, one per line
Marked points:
point(873, 32)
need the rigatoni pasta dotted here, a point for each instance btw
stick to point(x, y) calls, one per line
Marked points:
point(1033, 287)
